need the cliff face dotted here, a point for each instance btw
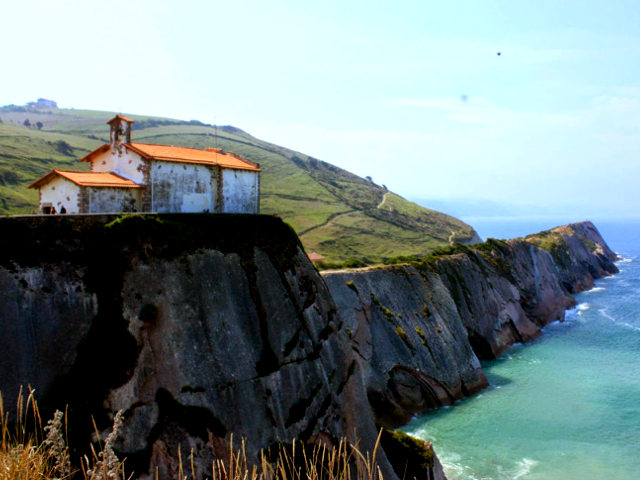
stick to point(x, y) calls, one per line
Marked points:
point(197, 327)
point(278, 373)
point(504, 293)
point(419, 330)
point(38, 304)
point(409, 339)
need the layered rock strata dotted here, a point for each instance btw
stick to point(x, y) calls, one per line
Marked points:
point(419, 329)
point(409, 339)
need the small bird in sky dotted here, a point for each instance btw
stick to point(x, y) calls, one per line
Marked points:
point(499, 53)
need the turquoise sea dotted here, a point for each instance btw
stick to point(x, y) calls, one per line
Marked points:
point(566, 406)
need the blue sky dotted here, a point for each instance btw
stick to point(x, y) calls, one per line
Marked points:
point(413, 94)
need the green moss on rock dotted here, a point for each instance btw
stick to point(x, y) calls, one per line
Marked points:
point(590, 244)
point(388, 313)
point(554, 243)
point(410, 457)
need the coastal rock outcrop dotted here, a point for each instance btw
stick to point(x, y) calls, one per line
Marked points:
point(197, 327)
point(37, 305)
point(409, 339)
point(418, 328)
point(504, 292)
point(580, 253)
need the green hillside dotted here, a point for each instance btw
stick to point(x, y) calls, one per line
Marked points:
point(336, 213)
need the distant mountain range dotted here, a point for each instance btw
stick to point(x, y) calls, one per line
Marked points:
point(337, 214)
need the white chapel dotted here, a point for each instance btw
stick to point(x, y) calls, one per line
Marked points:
point(139, 177)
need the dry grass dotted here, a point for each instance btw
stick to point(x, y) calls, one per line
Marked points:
point(298, 462)
point(30, 452)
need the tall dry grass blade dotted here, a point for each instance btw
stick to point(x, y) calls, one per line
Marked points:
point(375, 448)
point(19, 435)
point(243, 447)
point(180, 463)
point(37, 428)
point(223, 475)
point(4, 426)
point(232, 469)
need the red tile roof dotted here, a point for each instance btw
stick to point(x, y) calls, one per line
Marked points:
point(100, 149)
point(167, 153)
point(88, 179)
point(210, 156)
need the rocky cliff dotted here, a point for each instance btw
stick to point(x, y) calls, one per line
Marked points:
point(419, 329)
point(196, 326)
point(203, 326)
point(409, 340)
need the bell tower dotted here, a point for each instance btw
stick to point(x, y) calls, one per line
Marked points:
point(120, 132)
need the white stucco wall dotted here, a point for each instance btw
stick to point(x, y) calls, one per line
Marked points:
point(240, 189)
point(128, 165)
point(60, 192)
point(182, 187)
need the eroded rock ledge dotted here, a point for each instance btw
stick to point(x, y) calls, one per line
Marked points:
point(419, 329)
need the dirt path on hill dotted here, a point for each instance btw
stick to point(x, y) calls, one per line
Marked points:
point(333, 216)
point(329, 219)
point(384, 199)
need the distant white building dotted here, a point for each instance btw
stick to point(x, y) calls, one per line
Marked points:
point(139, 177)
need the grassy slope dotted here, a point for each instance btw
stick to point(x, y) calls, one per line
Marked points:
point(336, 213)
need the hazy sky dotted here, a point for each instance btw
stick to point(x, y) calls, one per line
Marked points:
point(412, 93)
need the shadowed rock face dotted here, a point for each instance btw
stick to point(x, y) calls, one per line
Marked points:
point(277, 373)
point(38, 304)
point(197, 327)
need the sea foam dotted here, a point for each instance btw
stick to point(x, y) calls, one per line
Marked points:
point(582, 307)
point(595, 289)
point(524, 467)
